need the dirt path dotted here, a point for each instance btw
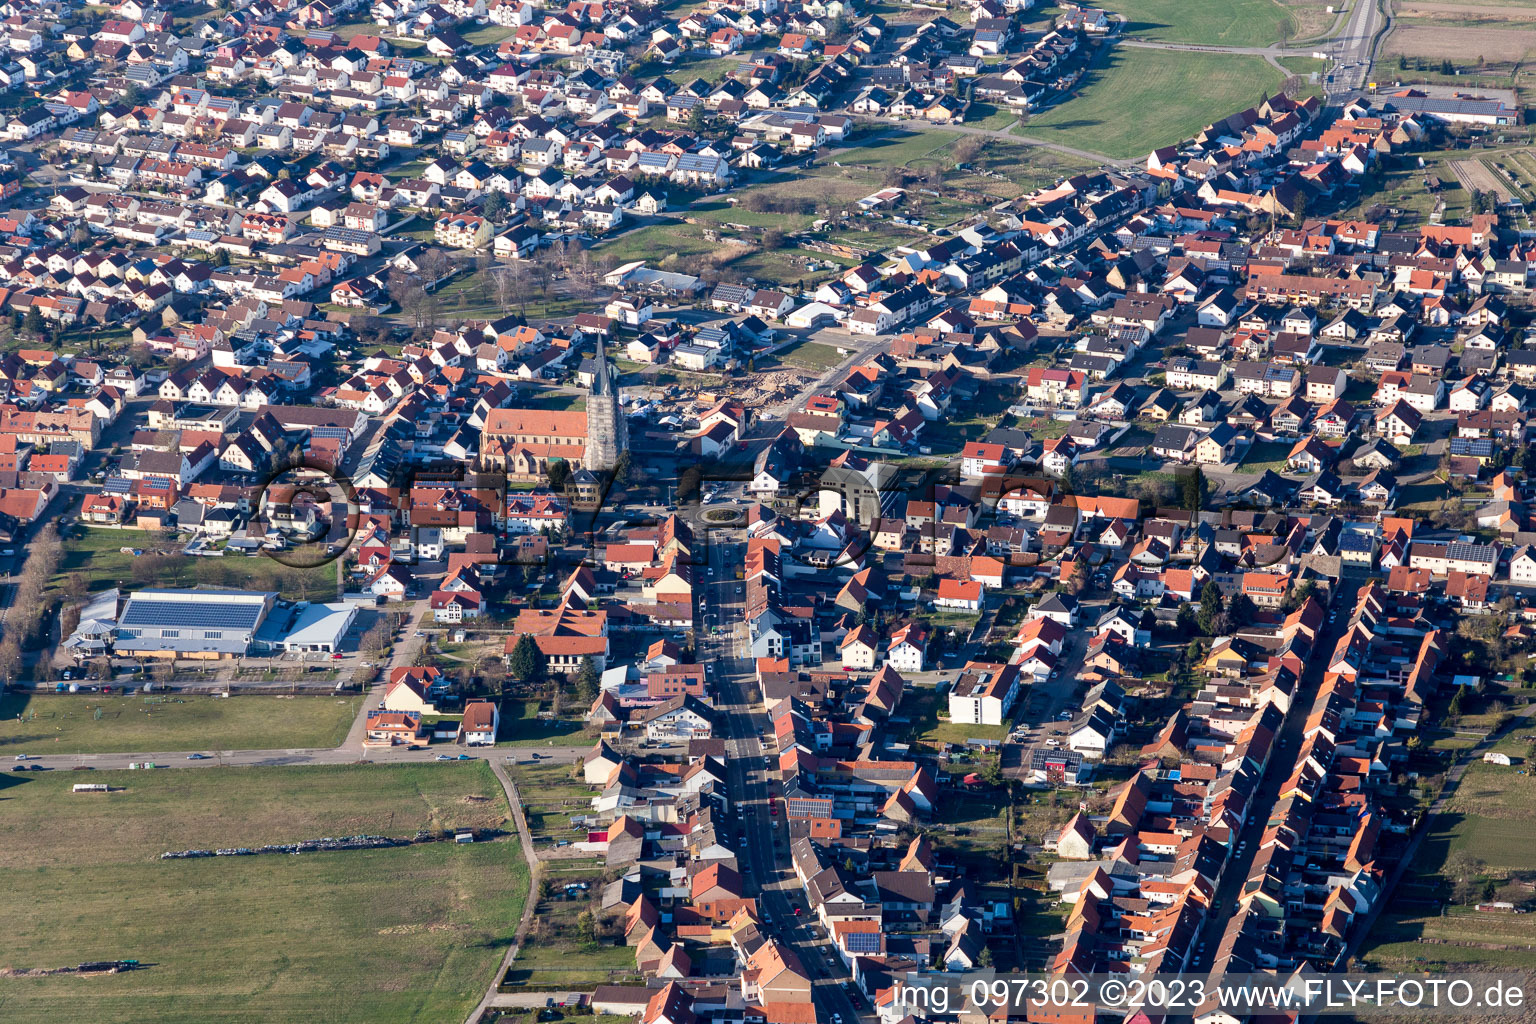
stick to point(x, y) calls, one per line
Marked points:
point(515, 802)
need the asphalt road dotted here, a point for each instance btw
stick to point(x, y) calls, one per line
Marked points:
point(1351, 50)
point(1282, 762)
point(347, 753)
point(763, 835)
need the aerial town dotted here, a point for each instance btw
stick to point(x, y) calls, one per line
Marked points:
point(722, 512)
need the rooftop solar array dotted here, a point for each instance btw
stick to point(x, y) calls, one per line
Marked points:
point(142, 612)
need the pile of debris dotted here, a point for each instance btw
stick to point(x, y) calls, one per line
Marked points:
point(303, 846)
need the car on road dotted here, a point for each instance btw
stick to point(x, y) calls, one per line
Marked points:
point(21, 757)
point(442, 757)
point(18, 767)
point(39, 768)
point(419, 633)
point(466, 757)
point(197, 757)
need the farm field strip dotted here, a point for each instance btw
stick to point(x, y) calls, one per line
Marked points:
point(408, 934)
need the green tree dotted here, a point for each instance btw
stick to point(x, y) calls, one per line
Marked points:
point(992, 771)
point(526, 661)
point(1195, 490)
point(559, 470)
point(1446, 67)
point(1211, 606)
point(221, 257)
point(1241, 611)
point(1298, 596)
point(1299, 207)
point(1402, 63)
point(1078, 581)
point(587, 681)
point(1186, 623)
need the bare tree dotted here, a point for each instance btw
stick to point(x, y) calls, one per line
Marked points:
point(435, 265)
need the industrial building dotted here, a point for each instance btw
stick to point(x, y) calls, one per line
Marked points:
point(209, 625)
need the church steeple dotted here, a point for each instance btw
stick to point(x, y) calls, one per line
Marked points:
point(600, 383)
point(607, 431)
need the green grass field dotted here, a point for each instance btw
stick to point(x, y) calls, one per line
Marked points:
point(1490, 816)
point(409, 934)
point(658, 243)
point(68, 724)
point(1488, 820)
point(810, 355)
point(900, 147)
point(1142, 99)
point(1263, 455)
point(1218, 23)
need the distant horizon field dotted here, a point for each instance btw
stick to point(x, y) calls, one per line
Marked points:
point(1214, 23)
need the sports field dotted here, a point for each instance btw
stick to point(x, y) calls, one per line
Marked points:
point(71, 724)
point(1141, 99)
point(406, 934)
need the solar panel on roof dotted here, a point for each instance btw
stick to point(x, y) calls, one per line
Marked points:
point(147, 612)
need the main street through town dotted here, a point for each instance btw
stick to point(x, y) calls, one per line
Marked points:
point(762, 834)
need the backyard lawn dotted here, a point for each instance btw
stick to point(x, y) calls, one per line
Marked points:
point(406, 934)
point(522, 726)
point(921, 706)
point(551, 793)
point(558, 955)
point(1264, 455)
point(95, 724)
point(1138, 99)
